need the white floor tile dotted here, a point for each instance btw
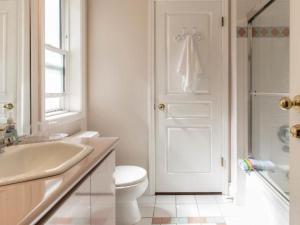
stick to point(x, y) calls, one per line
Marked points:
point(187, 210)
point(196, 224)
point(185, 199)
point(200, 224)
point(145, 221)
point(147, 209)
point(232, 210)
point(237, 221)
point(165, 199)
point(209, 210)
point(148, 199)
point(217, 220)
point(222, 199)
point(165, 210)
point(206, 199)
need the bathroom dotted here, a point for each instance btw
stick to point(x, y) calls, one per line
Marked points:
point(124, 112)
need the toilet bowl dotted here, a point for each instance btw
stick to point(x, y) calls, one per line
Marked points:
point(131, 183)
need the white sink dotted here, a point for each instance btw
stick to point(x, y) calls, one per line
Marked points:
point(29, 162)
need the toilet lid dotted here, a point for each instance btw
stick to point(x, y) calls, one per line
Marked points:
point(129, 175)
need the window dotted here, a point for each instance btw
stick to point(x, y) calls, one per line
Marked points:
point(56, 56)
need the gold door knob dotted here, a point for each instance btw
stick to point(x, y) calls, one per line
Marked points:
point(295, 131)
point(162, 107)
point(286, 103)
point(9, 106)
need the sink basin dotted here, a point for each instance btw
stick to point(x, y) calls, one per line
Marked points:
point(33, 161)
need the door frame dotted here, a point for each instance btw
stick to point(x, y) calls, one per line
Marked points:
point(294, 116)
point(152, 96)
point(22, 93)
point(23, 76)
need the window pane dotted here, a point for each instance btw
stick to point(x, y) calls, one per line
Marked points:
point(54, 81)
point(54, 73)
point(54, 104)
point(54, 59)
point(53, 23)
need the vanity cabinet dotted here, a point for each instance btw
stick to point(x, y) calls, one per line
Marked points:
point(103, 193)
point(91, 202)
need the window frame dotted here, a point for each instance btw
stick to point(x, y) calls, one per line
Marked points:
point(63, 50)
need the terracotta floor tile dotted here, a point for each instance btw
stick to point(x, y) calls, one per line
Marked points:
point(156, 220)
point(166, 220)
point(197, 220)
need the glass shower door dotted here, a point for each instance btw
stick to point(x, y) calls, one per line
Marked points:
point(269, 82)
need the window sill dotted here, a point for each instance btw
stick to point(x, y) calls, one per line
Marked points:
point(64, 117)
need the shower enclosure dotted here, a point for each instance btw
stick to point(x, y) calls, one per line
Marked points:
point(269, 82)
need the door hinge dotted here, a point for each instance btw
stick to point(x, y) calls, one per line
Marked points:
point(154, 107)
point(223, 21)
point(222, 162)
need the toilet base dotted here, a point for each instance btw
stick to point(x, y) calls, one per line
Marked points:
point(128, 213)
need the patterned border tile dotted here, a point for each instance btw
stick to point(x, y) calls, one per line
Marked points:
point(271, 32)
point(264, 32)
point(242, 32)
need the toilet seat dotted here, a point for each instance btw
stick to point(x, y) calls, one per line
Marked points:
point(129, 175)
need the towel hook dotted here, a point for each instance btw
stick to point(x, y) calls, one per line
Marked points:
point(181, 37)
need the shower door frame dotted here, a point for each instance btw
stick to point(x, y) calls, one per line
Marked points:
point(251, 17)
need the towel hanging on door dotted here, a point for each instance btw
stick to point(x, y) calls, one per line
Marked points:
point(189, 66)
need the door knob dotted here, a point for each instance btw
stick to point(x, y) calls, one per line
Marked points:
point(162, 107)
point(9, 106)
point(295, 131)
point(286, 103)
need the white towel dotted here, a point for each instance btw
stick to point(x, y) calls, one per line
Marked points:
point(189, 65)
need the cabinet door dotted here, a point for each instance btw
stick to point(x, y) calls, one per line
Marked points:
point(75, 210)
point(103, 193)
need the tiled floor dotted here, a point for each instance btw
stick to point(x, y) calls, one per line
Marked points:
point(188, 209)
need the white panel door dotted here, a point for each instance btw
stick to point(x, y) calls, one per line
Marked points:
point(294, 115)
point(8, 53)
point(189, 131)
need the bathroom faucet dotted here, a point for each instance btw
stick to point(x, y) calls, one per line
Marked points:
point(8, 136)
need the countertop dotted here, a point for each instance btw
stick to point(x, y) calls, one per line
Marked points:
point(25, 203)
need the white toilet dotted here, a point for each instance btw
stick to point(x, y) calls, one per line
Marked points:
point(131, 183)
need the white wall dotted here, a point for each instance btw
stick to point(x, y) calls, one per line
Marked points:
point(244, 7)
point(117, 75)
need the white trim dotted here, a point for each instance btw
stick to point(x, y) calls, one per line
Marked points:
point(65, 117)
point(23, 77)
point(294, 184)
point(151, 99)
point(225, 101)
point(57, 50)
point(37, 81)
point(233, 115)
point(84, 64)
point(55, 95)
point(239, 112)
point(35, 66)
point(151, 95)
